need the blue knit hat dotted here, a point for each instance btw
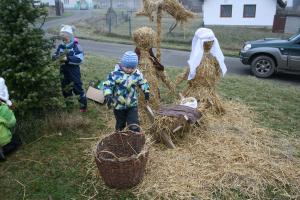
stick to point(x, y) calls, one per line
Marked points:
point(129, 59)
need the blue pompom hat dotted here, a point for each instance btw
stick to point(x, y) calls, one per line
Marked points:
point(129, 60)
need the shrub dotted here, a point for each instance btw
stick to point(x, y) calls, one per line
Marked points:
point(25, 63)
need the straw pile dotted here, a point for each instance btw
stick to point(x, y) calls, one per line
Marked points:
point(167, 124)
point(176, 10)
point(231, 158)
point(157, 7)
point(172, 7)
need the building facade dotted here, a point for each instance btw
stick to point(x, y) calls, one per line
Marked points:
point(78, 4)
point(240, 13)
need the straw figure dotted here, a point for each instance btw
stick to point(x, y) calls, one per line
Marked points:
point(155, 8)
point(206, 64)
point(152, 70)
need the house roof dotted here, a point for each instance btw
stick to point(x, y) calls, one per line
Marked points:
point(281, 3)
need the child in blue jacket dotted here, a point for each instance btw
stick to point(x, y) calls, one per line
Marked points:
point(120, 91)
point(72, 56)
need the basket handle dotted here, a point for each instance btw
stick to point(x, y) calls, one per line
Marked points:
point(141, 130)
point(111, 153)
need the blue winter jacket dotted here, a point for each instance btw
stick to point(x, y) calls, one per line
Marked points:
point(75, 55)
point(123, 87)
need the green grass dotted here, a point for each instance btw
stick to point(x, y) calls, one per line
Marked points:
point(231, 38)
point(65, 14)
point(56, 164)
point(50, 18)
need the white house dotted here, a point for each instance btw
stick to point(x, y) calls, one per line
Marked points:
point(71, 4)
point(77, 4)
point(49, 2)
point(240, 12)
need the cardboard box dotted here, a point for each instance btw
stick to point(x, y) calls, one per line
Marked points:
point(95, 94)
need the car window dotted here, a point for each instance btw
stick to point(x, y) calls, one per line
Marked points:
point(293, 37)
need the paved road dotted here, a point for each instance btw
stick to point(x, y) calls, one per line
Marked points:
point(177, 59)
point(169, 57)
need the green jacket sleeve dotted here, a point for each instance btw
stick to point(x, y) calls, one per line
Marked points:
point(7, 121)
point(7, 117)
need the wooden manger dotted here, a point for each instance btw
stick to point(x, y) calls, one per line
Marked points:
point(172, 122)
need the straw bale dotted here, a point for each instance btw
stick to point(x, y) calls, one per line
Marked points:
point(232, 154)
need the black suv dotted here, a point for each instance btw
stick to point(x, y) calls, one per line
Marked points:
point(272, 55)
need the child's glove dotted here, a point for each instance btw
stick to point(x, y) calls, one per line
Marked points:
point(147, 96)
point(54, 57)
point(109, 101)
point(63, 59)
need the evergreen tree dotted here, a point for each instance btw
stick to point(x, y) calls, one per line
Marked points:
point(25, 63)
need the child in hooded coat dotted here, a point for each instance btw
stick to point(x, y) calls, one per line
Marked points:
point(71, 56)
point(120, 91)
point(8, 141)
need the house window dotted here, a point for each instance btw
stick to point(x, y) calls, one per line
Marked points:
point(226, 10)
point(66, 1)
point(249, 11)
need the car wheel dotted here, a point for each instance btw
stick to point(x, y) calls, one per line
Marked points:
point(263, 66)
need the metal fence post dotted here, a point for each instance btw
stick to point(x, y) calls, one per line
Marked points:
point(109, 24)
point(129, 22)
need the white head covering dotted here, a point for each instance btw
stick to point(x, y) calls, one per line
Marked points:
point(67, 29)
point(4, 96)
point(202, 35)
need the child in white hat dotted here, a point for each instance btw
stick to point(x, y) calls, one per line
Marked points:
point(73, 56)
point(8, 142)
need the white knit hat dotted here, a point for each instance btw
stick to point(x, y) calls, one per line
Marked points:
point(4, 96)
point(67, 29)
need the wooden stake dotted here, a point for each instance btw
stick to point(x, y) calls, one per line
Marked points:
point(177, 129)
point(158, 24)
point(164, 136)
point(167, 140)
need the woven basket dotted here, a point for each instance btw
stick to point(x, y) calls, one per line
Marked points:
point(121, 159)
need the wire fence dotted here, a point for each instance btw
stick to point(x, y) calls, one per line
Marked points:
point(123, 22)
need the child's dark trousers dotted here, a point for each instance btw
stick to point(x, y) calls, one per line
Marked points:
point(71, 82)
point(127, 117)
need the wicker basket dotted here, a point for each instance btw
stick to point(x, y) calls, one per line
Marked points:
point(121, 159)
